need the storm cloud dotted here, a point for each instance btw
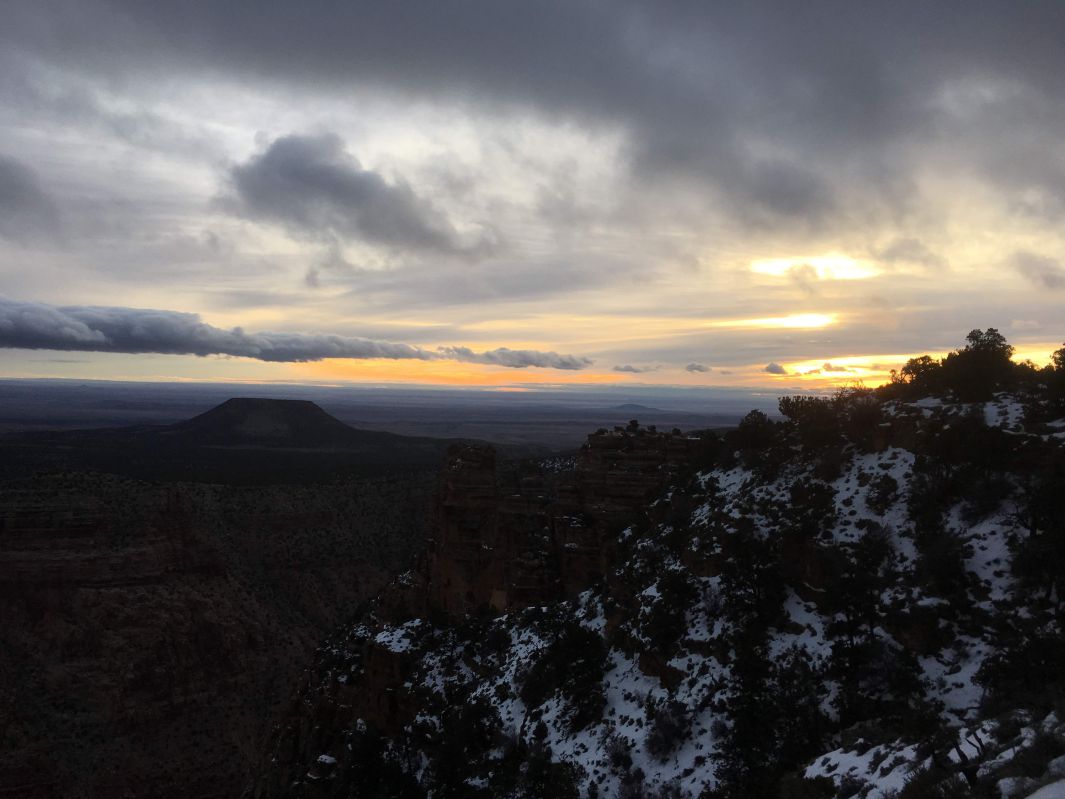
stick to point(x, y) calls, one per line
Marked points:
point(36, 326)
point(910, 251)
point(26, 210)
point(587, 176)
point(766, 107)
point(515, 359)
point(1044, 272)
point(313, 186)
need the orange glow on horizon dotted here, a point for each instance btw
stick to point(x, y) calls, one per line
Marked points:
point(449, 373)
point(875, 370)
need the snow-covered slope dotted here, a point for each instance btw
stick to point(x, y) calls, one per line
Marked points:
point(862, 603)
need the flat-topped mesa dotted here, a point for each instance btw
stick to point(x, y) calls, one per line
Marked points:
point(499, 550)
point(244, 420)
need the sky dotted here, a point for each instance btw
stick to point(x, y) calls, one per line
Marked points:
point(518, 195)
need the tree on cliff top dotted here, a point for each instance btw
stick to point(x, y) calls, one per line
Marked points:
point(972, 374)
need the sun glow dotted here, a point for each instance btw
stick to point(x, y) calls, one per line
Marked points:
point(875, 370)
point(871, 370)
point(821, 267)
point(791, 321)
point(448, 373)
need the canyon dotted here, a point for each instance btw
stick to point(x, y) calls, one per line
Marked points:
point(152, 629)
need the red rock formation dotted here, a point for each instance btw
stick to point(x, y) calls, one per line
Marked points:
point(498, 550)
point(463, 565)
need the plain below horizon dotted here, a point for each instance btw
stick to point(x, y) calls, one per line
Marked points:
point(558, 419)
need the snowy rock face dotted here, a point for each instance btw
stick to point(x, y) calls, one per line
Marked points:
point(862, 600)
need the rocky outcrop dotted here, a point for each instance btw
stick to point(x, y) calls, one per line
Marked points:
point(499, 549)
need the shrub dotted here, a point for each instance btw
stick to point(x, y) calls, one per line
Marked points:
point(573, 664)
point(668, 725)
point(757, 440)
point(1025, 670)
point(941, 565)
point(814, 418)
point(882, 493)
point(860, 415)
point(666, 620)
point(933, 783)
point(811, 510)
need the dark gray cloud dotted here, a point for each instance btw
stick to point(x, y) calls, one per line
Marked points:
point(909, 251)
point(515, 359)
point(829, 367)
point(313, 186)
point(775, 369)
point(433, 283)
point(697, 367)
point(763, 107)
point(636, 370)
point(36, 326)
point(1044, 272)
point(26, 211)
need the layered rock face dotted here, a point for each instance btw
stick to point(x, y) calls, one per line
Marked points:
point(150, 632)
point(503, 539)
point(506, 547)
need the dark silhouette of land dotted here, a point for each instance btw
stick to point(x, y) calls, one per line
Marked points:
point(245, 440)
point(550, 419)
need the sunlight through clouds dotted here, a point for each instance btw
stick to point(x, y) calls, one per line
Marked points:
point(822, 267)
point(798, 321)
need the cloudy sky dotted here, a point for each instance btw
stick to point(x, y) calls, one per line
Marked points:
point(506, 194)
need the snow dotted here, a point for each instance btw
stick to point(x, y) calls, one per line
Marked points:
point(1005, 412)
point(398, 639)
point(1056, 767)
point(1054, 791)
point(447, 668)
point(951, 674)
point(891, 766)
point(811, 624)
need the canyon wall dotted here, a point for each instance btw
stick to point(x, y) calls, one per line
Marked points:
point(150, 632)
